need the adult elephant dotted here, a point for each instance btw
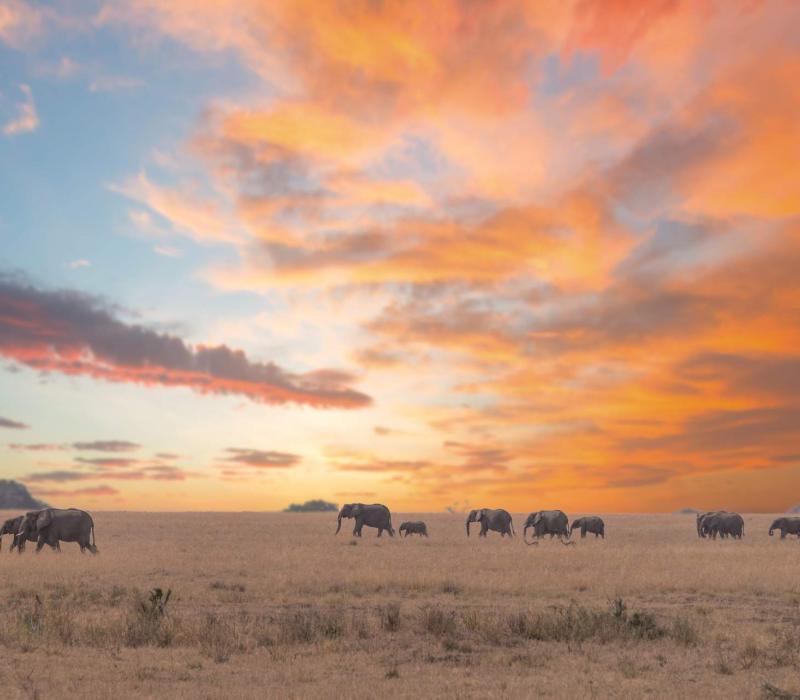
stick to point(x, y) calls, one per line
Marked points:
point(787, 526)
point(495, 519)
point(702, 530)
point(589, 523)
point(547, 522)
point(11, 527)
point(55, 525)
point(723, 524)
point(375, 515)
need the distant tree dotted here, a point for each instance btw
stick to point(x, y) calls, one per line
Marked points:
point(314, 506)
point(687, 511)
point(15, 496)
point(794, 509)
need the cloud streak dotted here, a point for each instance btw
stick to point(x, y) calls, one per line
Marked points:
point(74, 334)
point(25, 119)
point(262, 459)
point(12, 424)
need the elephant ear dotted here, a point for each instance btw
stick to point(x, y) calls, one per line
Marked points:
point(44, 519)
point(355, 510)
point(537, 517)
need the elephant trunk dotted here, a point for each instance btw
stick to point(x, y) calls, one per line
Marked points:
point(468, 522)
point(339, 523)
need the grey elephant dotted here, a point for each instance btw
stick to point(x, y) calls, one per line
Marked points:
point(11, 527)
point(375, 515)
point(724, 524)
point(416, 527)
point(589, 523)
point(495, 519)
point(547, 522)
point(702, 530)
point(787, 526)
point(52, 526)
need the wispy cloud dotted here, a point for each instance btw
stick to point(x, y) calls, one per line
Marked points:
point(107, 445)
point(13, 424)
point(25, 119)
point(267, 459)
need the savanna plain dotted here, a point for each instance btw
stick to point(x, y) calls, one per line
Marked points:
point(276, 605)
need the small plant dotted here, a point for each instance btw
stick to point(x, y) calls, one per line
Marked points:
point(452, 587)
point(438, 622)
point(723, 667)
point(683, 632)
point(148, 622)
point(217, 638)
point(390, 617)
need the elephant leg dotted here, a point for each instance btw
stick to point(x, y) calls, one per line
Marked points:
point(380, 531)
point(783, 534)
point(39, 544)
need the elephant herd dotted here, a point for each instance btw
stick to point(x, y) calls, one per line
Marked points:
point(542, 522)
point(549, 522)
point(51, 526)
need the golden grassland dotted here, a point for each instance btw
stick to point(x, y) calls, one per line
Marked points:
point(275, 605)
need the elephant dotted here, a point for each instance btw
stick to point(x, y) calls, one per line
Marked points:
point(496, 519)
point(375, 515)
point(413, 527)
point(702, 530)
point(723, 524)
point(55, 525)
point(787, 526)
point(11, 527)
point(589, 523)
point(547, 522)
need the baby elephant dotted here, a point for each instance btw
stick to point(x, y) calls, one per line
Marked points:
point(589, 523)
point(413, 527)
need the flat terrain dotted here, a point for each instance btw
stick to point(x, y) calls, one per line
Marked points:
point(275, 605)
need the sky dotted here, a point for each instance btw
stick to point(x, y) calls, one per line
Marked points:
point(506, 254)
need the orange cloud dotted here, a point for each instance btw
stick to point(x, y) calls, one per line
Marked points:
point(582, 216)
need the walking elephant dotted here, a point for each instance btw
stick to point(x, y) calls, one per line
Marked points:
point(375, 515)
point(589, 523)
point(723, 524)
point(547, 522)
point(495, 519)
point(413, 528)
point(702, 530)
point(11, 527)
point(787, 526)
point(52, 526)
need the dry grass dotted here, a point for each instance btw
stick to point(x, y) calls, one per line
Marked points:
point(275, 605)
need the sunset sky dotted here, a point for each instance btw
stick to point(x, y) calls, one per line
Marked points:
point(520, 254)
